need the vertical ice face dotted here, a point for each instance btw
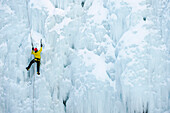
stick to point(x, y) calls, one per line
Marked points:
point(142, 54)
point(13, 33)
point(105, 56)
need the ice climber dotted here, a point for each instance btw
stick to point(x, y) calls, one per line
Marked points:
point(37, 55)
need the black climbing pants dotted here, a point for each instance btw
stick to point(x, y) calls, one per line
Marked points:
point(38, 64)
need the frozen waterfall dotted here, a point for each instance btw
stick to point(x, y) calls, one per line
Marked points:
point(99, 56)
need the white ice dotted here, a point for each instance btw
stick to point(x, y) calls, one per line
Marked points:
point(100, 58)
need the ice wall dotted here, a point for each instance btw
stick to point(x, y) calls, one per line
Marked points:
point(103, 57)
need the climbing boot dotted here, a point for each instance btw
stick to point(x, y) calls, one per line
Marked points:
point(27, 68)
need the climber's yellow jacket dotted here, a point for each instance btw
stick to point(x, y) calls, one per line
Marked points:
point(37, 54)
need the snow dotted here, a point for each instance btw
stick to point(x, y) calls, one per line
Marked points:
point(98, 11)
point(36, 36)
point(60, 26)
point(59, 12)
point(100, 58)
point(96, 62)
point(137, 5)
point(40, 4)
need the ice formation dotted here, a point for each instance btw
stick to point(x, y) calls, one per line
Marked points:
point(105, 56)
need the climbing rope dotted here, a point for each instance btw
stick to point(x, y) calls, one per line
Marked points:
point(33, 80)
point(33, 89)
point(29, 24)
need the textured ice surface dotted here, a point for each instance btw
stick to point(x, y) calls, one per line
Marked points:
point(100, 58)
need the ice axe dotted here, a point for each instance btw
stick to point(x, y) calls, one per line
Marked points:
point(41, 42)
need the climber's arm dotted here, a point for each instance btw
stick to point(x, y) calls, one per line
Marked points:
point(40, 49)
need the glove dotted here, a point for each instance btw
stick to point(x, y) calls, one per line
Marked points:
point(32, 48)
